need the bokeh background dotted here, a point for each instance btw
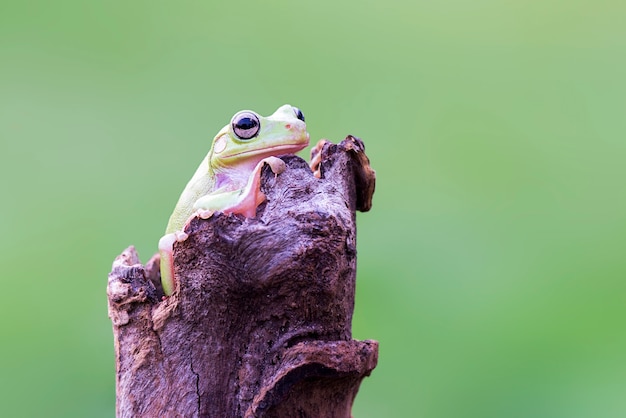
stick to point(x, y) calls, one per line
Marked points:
point(492, 266)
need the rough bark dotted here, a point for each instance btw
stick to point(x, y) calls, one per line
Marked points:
point(260, 324)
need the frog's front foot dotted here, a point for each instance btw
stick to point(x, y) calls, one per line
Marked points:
point(316, 158)
point(243, 201)
point(251, 196)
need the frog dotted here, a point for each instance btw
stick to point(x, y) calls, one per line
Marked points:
point(228, 179)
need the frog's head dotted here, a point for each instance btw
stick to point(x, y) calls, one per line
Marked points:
point(250, 137)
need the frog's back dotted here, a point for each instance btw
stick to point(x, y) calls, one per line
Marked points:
point(201, 184)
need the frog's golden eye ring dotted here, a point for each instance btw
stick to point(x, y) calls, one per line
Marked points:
point(298, 113)
point(246, 125)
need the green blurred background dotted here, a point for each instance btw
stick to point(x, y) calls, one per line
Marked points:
point(492, 266)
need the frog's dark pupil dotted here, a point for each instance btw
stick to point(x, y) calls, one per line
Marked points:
point(246, 123)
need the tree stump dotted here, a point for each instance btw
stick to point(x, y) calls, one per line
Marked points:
point(260, 324)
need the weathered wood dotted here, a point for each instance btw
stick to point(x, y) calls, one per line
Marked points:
point(260, 325)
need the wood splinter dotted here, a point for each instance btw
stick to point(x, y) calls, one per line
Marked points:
point(260, 325)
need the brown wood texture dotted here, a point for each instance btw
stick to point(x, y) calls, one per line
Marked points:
point(260, 322)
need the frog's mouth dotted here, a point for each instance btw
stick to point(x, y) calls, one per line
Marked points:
point(270, 151)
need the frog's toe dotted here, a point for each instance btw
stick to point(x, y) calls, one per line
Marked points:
point(276, 164)
point(316, 158)
point(205, 213)
point(181, 236)
point(315, 165)
point(167, 242)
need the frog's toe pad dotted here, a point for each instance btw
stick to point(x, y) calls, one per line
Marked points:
point(205, 213)
point(276, 164)
point(166, 242)
point(181, 236)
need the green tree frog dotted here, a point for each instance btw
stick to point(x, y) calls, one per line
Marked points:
point(228, 179)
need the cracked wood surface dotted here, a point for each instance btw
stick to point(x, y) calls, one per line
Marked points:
point(260, 324)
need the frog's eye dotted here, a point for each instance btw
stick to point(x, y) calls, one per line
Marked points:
point(246, 125)
point(299, 113)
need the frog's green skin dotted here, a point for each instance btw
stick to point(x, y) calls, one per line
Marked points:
point(228, 178)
